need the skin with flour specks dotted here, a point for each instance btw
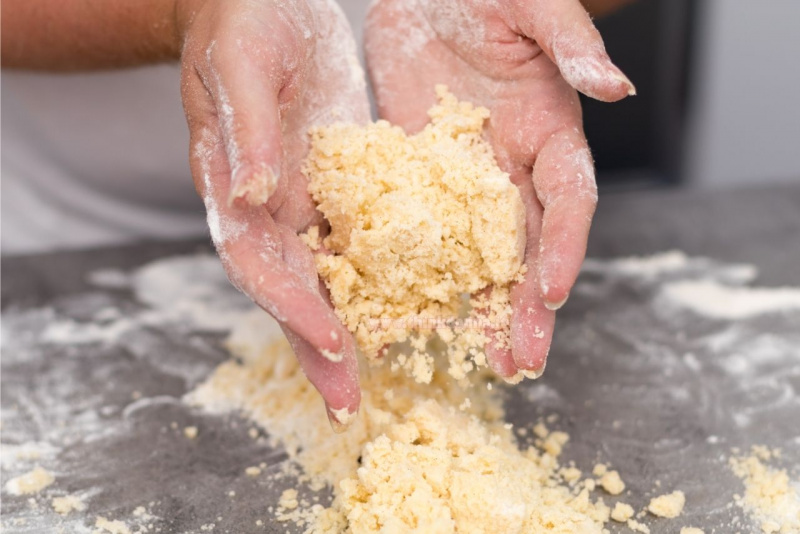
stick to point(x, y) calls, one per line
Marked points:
point(255, 77)
point(523, 61)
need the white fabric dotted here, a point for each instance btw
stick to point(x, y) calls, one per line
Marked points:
point(93, 159)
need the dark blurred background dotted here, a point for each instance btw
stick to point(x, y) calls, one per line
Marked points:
point(716, 104)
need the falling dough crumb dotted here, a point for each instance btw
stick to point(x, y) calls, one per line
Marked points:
point(190, 432)
point(68, 504)
point(252, 471)
point(670, 505)
point(29, 483)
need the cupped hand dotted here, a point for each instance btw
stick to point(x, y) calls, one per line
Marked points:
point(256, 74)
point(523, 60)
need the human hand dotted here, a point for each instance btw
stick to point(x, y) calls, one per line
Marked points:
point(522, 60)
point(255, 76)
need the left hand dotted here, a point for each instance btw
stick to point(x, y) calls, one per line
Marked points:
point(523, 60)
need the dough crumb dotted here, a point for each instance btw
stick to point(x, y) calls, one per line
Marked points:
point(190, 432)
point(669, 505)
point(622, 512)
point(252, 471)
point(103, 525)
point(771, 498)
point(692, 530)
point(288, 499)
point(416, 223)
point(68, 504)
point(612, 483)
point(31, 482)
point(599, 470)
point(638, 527)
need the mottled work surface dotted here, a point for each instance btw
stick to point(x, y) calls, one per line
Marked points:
point(98, 352)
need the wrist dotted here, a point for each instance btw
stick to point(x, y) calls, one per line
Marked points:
point(184, 12)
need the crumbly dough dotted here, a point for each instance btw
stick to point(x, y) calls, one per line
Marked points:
point(622, 512)
point(252, 471)
point(669, 505)
point(31, 482)
point(769, 494)
point(692, 530)
point(612, 483)
point(68, 504)
point(419, 459)
point(103, 526)
point(416, 222)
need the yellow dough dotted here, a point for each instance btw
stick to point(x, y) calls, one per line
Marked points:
point(416, 222)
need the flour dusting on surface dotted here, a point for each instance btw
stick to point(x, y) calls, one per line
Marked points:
point(713, 299)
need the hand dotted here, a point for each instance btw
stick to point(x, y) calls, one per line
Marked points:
point(523, 60)
point(255, 76)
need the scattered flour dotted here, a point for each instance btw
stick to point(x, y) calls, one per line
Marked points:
point(649, 266)
point(713, 299)
point(414, 461)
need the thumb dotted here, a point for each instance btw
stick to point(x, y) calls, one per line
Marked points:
point(567, 35)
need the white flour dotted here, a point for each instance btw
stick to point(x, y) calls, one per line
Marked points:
point(713, 299)
point(191, 295)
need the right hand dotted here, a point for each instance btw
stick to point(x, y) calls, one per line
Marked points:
point(256, 74)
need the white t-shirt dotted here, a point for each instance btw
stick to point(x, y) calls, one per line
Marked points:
point(92, 159)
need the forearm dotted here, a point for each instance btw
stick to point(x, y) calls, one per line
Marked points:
point(88, 34)
point(599, 8)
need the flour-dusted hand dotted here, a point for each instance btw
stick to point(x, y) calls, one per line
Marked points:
point(256, 75)
point(523, 60)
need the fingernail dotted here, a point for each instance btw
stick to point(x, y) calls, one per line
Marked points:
point(620, 77)
point(340, 419)
point(553, 306)
point(255, 188)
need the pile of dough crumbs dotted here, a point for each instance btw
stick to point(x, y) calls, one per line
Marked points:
point(428, 459)
point(416, 223)
point(769, 496)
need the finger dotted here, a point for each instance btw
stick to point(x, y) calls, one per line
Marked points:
point(567, 35)
point(531, 321)
point(563, 177)
point(337, 382)
point(531, 326)
point(257, 253)
point(246, 99)
point(498, 345)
